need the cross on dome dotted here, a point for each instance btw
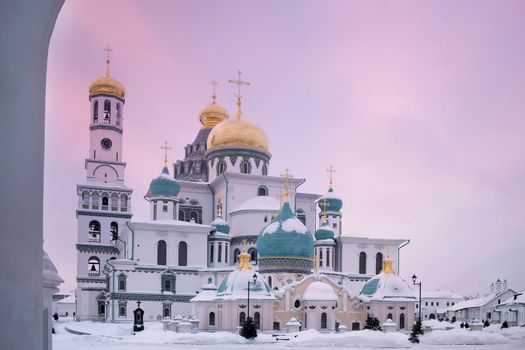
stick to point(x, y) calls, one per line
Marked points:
point(108, 50)
point(214, 84)
point(286, 175)
point(165, 148)
point(239, 82)
point(331, 170)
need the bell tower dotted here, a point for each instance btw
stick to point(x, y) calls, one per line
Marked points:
point(103, 199)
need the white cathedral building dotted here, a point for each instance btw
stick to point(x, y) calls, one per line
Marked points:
point(217, 200)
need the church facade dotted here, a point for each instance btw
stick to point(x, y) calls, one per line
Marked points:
point(218, 201)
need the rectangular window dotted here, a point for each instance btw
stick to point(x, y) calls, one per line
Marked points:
point(219, 258)
point(437, 303)
point(328, 257)
point(164, 208)
point(432, 303)
point(211, 252)
point(448, 304)
point(226, 253)
point(154, 211)
point(426, 303)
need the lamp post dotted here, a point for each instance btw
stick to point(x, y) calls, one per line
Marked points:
point(254, 282)
point(414, 279)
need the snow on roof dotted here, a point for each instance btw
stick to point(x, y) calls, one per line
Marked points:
point(218, 221)
point(289, 225)
point(518, 298)
point(94, 183)
point(205, 295)
point(70, 299)
point(477, 302)
point(168, 222)
point(261, 203)
point(387, 287)
point(440, 294)
point(319, 291)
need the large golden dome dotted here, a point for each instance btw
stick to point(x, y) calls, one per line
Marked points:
point(238, 133)
point(106, 85)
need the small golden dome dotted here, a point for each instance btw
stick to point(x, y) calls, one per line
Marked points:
point(240, 133)
point(107, 86)
point(212, 115)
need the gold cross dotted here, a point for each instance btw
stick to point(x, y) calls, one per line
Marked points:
point(286, 174)
point(165, 148)
point(219, 204)
point(280, 195)
point(108, 50)
point(331, 170)
point(239, 82)
point(214, 84)
point(316, 262)
point(324, 204)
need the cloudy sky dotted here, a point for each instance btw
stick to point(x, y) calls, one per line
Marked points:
point(418, 105)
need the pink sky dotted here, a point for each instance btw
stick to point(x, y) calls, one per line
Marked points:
point(418, 105)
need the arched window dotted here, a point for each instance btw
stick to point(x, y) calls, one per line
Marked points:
point(389, 317)
point(236, 253)
point(362, 263)
point(194, 216)
point(220, 167)
point(85, 199)
point(113, 229)
point(119, 115)
point(257, 320)
point(122, 311)
point(114, 202)
point(253, 255)
point(265, 170)
point(122, 282)
point(94, 200)
point(262, 191)
point(107, 111)
point(402, 321)
point(101, 309)
point(211, 319)
point(245, 167)
point(379, 262)
point(105, 202)
point(182, 217)
point(95, 112)
point(94, 231)
point(183, 254)
point(167, 285)
point(167, 312)
point(323, 321)
point(124, 202)
point(270, 281)
point(161, 252)
point(93, 266)
point(242, 318)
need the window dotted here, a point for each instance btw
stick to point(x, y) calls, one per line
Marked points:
point(389, 317)
point(245, 167)
point(85, 200)
point(270, 281)
point(101, 309)
point(164, 208)
point(119, 114)
point(320, 258)
point(167, 311)
point(328, 258)
point(94, 231)
point(402, 321)
point(211, 252)
point(426, 303)
point(262, 191)
point(226, 252)
point(220, 168)
point(211, 319)
point(452, 303)
point(276, 326)
point(194, 216)
point(323, 321)
point(155, 211)
point(93, 266)
point(124, 203)
point(265, 218)
point(95, 112)
point(431, 303)
point(448, 303)
point(113, 230)
point(122, 311)
point(362, 263)
point(355, 326)
point(219, 253)
point(257, 320)
point(437, 303)
point(167, 286)
point(253, 255)
point(265, 170)
point(122, 282)
point(301, 215)
point(379, 262)
point(182, 216)
point(183, 254)
point(107, 111)
point(297, 303)
point(242, 318)
point(167, 282)
point(236, 253)
point(161, 252)
point(105, 203)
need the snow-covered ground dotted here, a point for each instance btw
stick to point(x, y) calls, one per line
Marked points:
point(112, 336)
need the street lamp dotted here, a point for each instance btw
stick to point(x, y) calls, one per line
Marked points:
point(254, 282)
point(414, 279)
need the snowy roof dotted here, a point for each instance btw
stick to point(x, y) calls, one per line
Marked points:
point(319, 291)
point(50, 277)
point(70, 299)
point(235, 286)
point(104, 185)
point(169, 222)
point(477, 302)
point(259, 203)
point(518, 298)
point(205, 295)
point(387, 286)
point(440, 294)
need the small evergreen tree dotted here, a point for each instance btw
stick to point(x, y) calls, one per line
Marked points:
point(417, 329)
point(466, 325)
point(486, 323)
point(55, 316)
point(453, 319)
point(462, 325)
point(248, 330)
point(372, 323)
point(504, 325)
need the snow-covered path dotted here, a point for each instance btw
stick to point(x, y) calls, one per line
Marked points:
point(118, 336)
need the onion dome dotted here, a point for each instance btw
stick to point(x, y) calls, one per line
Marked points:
point(235, 285)
point(237, 133)
point(324, 232)
point(220, 225)
point(387, 286)
point(330, 201)
point(212, 115)
point(105, 85)
point(164, 185)
point(319, 291)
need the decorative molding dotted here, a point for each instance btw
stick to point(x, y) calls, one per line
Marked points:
point(91, 280)
point(104, 249)
point(150, 297)
point(112, 214)
point(233, 159)
point(249, 239)
point(105, 127)
point(162, 269)
point(238, 151)
point(257, 162)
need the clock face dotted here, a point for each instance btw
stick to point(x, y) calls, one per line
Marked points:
point(106, 143)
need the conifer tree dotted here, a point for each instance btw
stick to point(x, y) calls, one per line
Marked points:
point(417, 329)
point(248, 330)
point(504, 324)
point(372, 323)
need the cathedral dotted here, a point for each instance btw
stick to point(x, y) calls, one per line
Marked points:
point(218, 219)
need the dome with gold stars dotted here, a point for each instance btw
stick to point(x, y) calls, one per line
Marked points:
point(105, 85)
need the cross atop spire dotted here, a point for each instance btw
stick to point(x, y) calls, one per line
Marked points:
point(214, 84)
point(108, 50)
point(165, 148)
point(239, 82)
point(331, 170)
point(286, 174)
point(324, 204)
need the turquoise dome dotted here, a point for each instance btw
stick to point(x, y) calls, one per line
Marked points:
point(324, 232)
point(285, 236)
point(164, 185)
point(334, 202)
point(220, 225)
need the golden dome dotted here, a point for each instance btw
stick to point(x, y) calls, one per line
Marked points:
point(212, 115)
point(240, 133)
point(107, 86)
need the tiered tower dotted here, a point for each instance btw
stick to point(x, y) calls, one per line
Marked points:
point(103, 200)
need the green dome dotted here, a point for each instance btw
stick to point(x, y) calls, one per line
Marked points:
point(334, 203)
point(286, 236)
point(220, 225)
point(164, 185)
point(324, 232)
